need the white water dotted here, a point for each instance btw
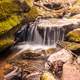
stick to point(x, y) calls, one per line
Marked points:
point(26, 46)
point(51, 33)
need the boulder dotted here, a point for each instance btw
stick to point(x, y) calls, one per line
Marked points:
point(5, 43)
point(63, 55)
point(74, 35)
point(56, 68)
point(8, 29)
point(10, 21)
point(71, 71)
point(74, 47)
point(47, 76)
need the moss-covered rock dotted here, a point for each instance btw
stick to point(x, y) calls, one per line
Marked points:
point(74, 47)
point(8, 8)
point(74, 35)
point(9, 23)
point(29, 2)
point(47, 76)
point(33, 13)
point(71, 45)
point(6, 42)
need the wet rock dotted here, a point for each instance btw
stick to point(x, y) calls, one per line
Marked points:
point(29, 69)
point(8, 29)
point(5, 43)
point(53, 6)
point(74, 35)
point(10, 22)
point(71, 71)
point(50, 51)
point(74, 47)
point(63, 55)
point(37, 54)
point(71, 45)
point(56, 68)
point(47, 76)
point(13, 72)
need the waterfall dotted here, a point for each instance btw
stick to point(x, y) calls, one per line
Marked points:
point(46, 34)
point(42, 32)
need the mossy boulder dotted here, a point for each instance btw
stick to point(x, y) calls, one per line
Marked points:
point(9, 23)
point(8, 29)
point(74, 35)
point(47, 76)
point(29, 2)
point(11, 19)
point(75, 47)
point(71, 45)
point(33, 13)
point(8, 8)
point(6, 42)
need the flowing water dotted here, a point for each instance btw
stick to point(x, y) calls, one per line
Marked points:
point(43, 33)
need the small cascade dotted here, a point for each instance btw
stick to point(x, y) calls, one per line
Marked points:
point(45, 36)
point(43, 32)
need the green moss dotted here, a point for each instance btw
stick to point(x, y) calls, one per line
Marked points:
point(29, 2)
point(47, 76)
point(8, 9)
point(9, 23)
point(6, 1)
point(74, 35)
point(5, 43)
point(33, 13)
point(72, 45)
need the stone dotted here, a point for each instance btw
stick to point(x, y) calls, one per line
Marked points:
point(56, 68)
point(74, 47)
point(5, 43)
point(74, 35)
point(63, 55)
point(71, 71)
point(47, 76)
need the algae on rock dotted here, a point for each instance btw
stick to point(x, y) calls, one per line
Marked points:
point(74, 35)
point(9, 23)
point(47, 76)
point(8, 8)
point(71, 45)
point(4, 43)
point(10, 17)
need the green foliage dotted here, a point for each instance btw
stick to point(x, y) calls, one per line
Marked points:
point(9, 23)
